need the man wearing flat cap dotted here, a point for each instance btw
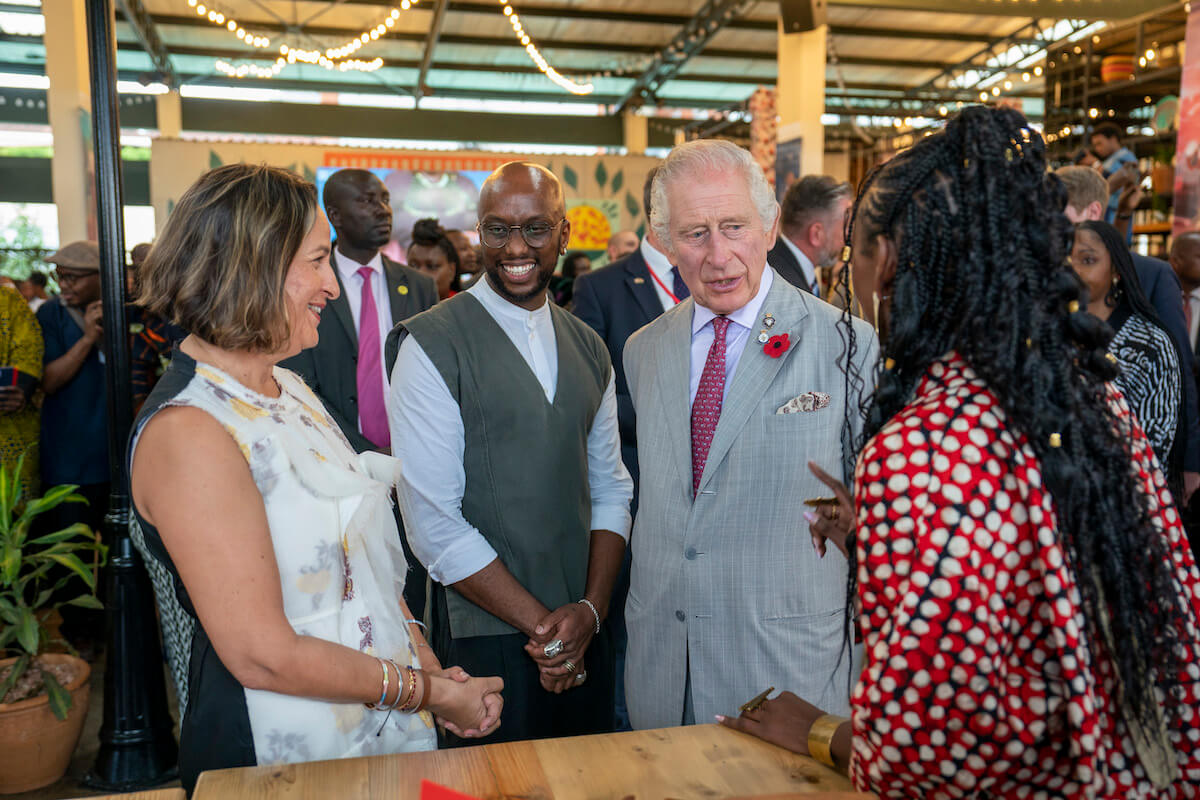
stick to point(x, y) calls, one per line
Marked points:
point(74, 438)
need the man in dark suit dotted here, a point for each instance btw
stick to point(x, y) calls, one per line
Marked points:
point(1087, 198)
point(615, 301)
point(348, 369)
point(811, 230)
point(357, 205)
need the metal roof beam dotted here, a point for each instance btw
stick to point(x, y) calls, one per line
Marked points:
point(688, 41)
point(435, 30)
point(143, 26)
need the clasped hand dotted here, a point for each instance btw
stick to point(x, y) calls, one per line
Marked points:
point(574, 625)
point(467, 707)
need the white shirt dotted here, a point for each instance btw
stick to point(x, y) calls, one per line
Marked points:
point(429, 439)
point(806, 265)
point(743, 322)
point(352, 282)
point(660, 267)
point(1192, 298)
point(36, 303)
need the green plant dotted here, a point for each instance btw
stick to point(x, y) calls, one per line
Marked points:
point(32, 575)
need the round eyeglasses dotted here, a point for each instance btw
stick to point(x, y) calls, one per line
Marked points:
point(536, 234)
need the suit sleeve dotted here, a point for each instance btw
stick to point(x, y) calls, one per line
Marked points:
point(1167, 297)
point(587, 307)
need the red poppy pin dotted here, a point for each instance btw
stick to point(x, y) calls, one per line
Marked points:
point(776, 345)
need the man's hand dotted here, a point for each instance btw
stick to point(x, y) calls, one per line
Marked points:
point(558, 685)
point(573, 624)
point(12, 399)
point(93, 321)
point(1131, 198)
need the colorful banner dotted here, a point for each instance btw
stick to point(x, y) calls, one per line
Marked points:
point(1187, 146)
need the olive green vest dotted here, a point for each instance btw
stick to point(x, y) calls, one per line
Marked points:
point(525, 458)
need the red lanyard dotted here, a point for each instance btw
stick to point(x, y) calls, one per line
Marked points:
point(663, 286)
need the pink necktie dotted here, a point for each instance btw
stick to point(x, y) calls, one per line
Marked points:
point(706, 408)
point(372, 414)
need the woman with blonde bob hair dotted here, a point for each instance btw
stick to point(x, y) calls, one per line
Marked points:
point(279, 539)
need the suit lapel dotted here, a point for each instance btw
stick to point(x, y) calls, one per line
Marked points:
point(637, 278)
point(673, 362)
point(399, 291)
point(341, 306)
point(756, 371)
point(786, 265)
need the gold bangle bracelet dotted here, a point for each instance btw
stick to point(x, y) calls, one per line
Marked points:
point(820, 738)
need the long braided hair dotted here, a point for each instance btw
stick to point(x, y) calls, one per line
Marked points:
point(982, 246)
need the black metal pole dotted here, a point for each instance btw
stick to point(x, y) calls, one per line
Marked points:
point(137, 747)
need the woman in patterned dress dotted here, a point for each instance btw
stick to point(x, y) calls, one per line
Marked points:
point(1148, 358)
point(279, 539)
point(1028, 602)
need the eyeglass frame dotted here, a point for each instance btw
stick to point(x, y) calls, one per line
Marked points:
point(511, 228)
point(72, 278)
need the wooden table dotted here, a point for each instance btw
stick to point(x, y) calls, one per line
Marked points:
point(701, 761)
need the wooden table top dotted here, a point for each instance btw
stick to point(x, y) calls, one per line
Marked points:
point(700, 761)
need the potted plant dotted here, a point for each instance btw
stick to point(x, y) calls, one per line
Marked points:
point(43, 695)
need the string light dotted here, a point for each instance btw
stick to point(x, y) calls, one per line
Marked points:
point(536, 56)
point(331, 55)
point(242, 70)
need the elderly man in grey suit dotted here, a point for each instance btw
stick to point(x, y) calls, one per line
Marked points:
point(736, 389)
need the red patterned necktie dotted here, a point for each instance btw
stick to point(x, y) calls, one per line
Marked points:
point(706, 408)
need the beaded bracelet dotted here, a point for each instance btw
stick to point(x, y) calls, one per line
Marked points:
point(409, 706)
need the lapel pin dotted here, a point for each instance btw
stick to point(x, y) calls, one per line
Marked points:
point(769, 320)
point(763, 336)
point(401, 289)
point(639, 280)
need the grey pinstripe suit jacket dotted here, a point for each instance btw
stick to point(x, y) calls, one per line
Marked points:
point(729, 586)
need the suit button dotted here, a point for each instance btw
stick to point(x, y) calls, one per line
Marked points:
point(680, 616)
point(690, 554)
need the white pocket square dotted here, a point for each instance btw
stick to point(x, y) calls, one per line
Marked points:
point(809, 401)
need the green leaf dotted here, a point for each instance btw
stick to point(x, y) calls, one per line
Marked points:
point(19, 667)
point(86, 601)
point(309, 175)
point(631, 205)
point(214, 160)
point(73, 563)
point(570, 178)
point(60, 698)
point(601, 174)
point(618, 181)
point(10, 564)
point(27, 632)
point(51, 499)
point(78, 529)
point(641, 231)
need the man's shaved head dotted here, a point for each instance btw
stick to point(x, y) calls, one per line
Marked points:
point(524, 177)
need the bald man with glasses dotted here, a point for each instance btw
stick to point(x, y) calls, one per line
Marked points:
point(503, 415)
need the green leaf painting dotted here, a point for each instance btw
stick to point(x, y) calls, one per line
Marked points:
point(570, 178)
point(618, 181)
point(631, 205)
point(641, 230)
point(601, 174)
point(214, 160)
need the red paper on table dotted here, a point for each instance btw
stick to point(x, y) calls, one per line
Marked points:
point(434, 791)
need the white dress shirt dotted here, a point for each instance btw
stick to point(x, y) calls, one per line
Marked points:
point(352, 283)
point(660, 267)
point(1192, 299)
point(744, 322)
point(806, 265)
point(429, 439)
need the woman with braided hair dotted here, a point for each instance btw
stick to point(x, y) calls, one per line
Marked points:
point(1146, 354)
point(1028, 602)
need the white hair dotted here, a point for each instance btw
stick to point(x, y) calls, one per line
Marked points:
point(700, 155)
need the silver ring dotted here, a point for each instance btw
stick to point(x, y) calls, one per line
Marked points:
point(569, 666)
point(580, 677)
point(553, 649)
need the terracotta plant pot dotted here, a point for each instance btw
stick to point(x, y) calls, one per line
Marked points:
point(35, 748)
